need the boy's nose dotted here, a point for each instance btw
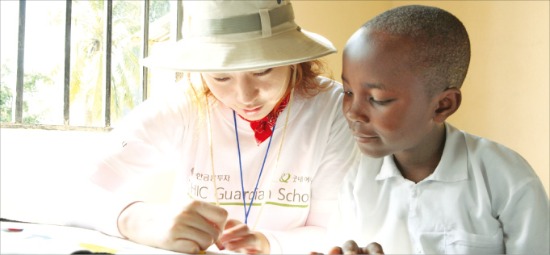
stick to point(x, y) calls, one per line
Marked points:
point(356, 113)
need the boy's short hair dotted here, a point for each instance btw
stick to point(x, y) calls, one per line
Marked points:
point(442, 50)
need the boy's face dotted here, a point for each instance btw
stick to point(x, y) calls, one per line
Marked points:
point(385, 103)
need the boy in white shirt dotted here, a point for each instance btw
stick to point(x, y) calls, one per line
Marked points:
point(423, 186)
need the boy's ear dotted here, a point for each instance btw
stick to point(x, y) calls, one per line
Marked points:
point(447, 104)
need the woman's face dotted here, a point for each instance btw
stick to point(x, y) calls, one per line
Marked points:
point(252, 94)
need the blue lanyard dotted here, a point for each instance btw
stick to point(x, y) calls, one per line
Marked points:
point(247, 208)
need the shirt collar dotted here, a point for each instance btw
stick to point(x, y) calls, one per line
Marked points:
point(452, 167)
point(388, 169)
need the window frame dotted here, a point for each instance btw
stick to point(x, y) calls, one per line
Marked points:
point(176, 16)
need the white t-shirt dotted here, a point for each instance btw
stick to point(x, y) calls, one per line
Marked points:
point(295, 193)
point(482, 198)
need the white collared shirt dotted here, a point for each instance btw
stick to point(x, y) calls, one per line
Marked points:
point(482, 198)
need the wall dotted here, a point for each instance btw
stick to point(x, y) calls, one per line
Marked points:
point(42, 169)
point(506, 92)
point(39, 167)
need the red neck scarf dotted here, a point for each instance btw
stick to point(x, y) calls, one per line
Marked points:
point(263, 128)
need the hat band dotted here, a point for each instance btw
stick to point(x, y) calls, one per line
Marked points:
point(244, 23)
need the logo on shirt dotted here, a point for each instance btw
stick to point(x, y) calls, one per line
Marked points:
point(290, 190)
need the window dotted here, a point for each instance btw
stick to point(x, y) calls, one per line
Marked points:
point(75, 64)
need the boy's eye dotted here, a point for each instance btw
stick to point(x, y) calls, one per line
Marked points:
point(347, 93)
point(263, 72)
point(380, 102)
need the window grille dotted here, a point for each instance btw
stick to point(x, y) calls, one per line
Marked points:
point(116, 100)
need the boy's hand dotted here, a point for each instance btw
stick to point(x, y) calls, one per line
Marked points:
point(351, 247)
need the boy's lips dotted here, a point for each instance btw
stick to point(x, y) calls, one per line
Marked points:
point(363, 138)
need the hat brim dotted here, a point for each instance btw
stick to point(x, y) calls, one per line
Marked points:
point(287, 48)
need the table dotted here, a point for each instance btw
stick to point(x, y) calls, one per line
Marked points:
point(30, 238)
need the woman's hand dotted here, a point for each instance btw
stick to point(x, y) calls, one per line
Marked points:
point(190, 229)
point(351, 247)
point(237, 237)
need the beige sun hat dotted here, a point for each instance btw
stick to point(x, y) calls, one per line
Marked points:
point(241, 35)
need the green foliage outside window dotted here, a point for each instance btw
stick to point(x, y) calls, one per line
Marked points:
point(87, 77)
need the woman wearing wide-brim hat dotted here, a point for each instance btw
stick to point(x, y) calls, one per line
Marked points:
point(256, 136)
